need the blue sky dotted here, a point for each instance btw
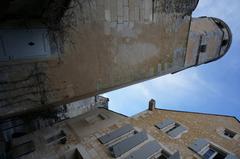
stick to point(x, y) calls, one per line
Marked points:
point(212, 88)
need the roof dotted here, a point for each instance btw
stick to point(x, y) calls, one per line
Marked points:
point(201, 113)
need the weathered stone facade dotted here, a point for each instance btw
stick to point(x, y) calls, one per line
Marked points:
point(102, 45)
point(82, 134)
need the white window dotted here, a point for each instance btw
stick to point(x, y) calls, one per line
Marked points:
point(209, 150)
point(212, 152)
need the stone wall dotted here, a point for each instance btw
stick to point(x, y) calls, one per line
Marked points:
point(100, 45)
point(103, 45)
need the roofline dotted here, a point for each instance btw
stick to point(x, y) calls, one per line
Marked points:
point(180, 111)
point(114, 112)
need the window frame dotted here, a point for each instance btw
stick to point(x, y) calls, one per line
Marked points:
point(207, 150)
point(205, 146)
point(216, 151)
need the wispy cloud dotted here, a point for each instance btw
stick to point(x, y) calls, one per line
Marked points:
point(166, 90)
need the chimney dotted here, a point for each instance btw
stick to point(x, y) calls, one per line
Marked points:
point(152, 105)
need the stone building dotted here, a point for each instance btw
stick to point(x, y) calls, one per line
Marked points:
point(25, 123)
point(153, 133)
point(54, 52)
point(58, 51)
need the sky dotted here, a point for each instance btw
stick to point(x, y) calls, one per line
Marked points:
point(211, 88)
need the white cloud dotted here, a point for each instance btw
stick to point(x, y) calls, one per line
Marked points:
point(168, 90)
point(183, 83)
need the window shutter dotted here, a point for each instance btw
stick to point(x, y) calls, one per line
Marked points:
point(127, 144)
point(145, 151)
point(177, 131)
point(115, 134)
point(198, 145)
point(165, 123)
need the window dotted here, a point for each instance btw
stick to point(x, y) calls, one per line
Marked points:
point(148, 150)
point(102, 116)
point(213, 153)
point(209, 150)
point(172, 128)
point(220, 25)
point(225, 42)
point(202, 48)
point(129, 143)
point(229, 133)
point(58, 138)
point(164, 155)
point(153, 149)
point(18, 134)
point(22, 149)
point(134, 145)
point(96, 117)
